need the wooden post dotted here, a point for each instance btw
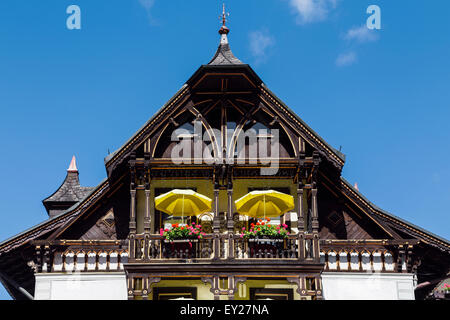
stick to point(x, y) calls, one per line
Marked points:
point(147, 225)
point(315, 210)
point(230, 225)
point(301, 217)
point(132, 235)
point(216, 225)
point(315, 226)
point(147, 217)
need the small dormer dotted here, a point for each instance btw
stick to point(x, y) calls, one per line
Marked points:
point(69, 193)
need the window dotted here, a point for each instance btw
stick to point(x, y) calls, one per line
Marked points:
point(271, 294)
point(186, 293)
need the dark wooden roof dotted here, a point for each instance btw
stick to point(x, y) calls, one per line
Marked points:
point(223, 55)
point(70, 190)
point(69, 193)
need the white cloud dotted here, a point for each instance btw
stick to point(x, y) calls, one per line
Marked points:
point(346, 59)
point(260, 41)
point(147, 4)
point(361, 34)
point(312, 10)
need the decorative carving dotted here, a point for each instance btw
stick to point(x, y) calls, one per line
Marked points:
point(107, 224)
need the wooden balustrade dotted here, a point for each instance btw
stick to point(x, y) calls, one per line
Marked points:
point(81, 256)
point(266, 248)
point(159, 249)
point(336, 255)
point(292, 247)
point(353, 260)
point(365, 255)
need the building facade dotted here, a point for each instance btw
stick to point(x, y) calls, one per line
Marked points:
point(104, 242)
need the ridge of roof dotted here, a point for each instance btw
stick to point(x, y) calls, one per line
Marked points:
point(337, 153)
point(392, 216)
point(112, 155)
point(54, 219)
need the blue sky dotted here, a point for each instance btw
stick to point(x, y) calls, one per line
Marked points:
point(382, 95)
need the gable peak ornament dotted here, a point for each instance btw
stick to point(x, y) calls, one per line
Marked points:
point(224, 29)
point(73, 165)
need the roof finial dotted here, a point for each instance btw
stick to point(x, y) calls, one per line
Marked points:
point(73, 165)
point(224, 29)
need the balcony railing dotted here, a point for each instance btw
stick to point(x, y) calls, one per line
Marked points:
point(111, 255)
point(154, 248)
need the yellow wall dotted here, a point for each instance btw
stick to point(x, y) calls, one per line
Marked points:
point(203, 292)
point(206, 187)
point(243, 292)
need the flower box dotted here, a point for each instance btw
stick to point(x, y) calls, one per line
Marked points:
point(181, 248)
point(263, 230)
point(181, 241)
point(265, 240)
point(260, 247)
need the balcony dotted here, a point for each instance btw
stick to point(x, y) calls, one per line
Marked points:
point(111, 255)
point(221, 248)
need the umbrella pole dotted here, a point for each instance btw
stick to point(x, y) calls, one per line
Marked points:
point(182, 211)
point(264, 207)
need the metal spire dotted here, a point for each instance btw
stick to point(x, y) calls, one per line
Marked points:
point(224, 29)
point(223, 55)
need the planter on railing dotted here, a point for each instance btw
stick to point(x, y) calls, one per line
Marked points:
point(160, 248)
point(268, 248)
point(265, 247)
point(180, 248)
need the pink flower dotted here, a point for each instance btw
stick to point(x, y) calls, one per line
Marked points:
point(161, 232)
point(243, 229)
point(199, 237)
point(242, 235)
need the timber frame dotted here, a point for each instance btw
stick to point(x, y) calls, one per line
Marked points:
point(336, 227)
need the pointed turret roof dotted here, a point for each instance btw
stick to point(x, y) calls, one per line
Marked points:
point(223, 55)
point(69, 193)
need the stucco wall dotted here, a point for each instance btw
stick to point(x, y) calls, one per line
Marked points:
point(81, 286)
point(367, 286)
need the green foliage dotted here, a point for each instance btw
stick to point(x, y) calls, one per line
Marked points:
point(178, 232)
point(262, 229)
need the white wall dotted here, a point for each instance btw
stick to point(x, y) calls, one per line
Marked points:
point(367, 286)
point(81, 286)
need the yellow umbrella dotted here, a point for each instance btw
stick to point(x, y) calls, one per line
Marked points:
point(183, 203)
point(267, 203)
